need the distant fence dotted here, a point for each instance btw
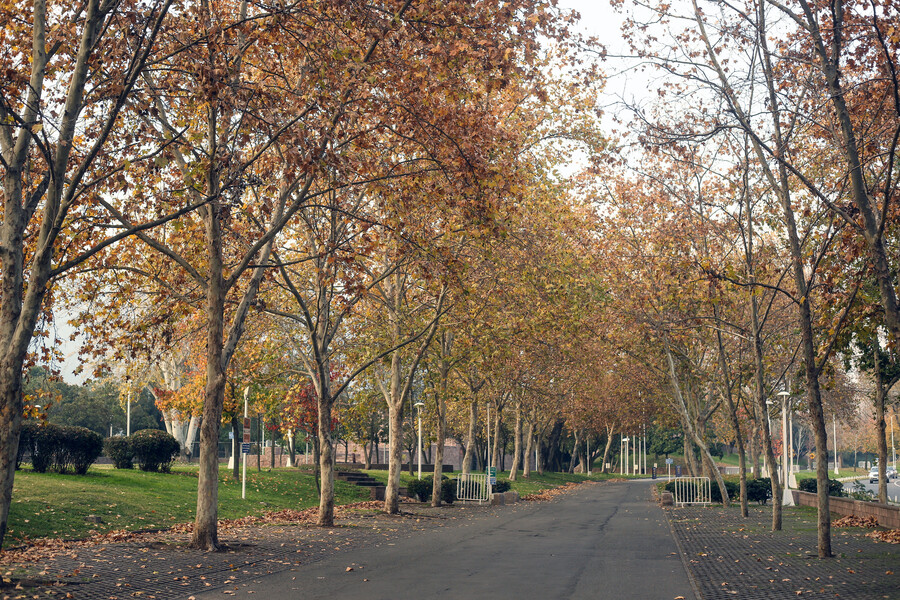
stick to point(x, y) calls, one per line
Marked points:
point(692, 490)
point(472, 486)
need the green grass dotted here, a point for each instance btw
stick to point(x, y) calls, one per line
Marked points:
point(51, 505)
point(845, 472)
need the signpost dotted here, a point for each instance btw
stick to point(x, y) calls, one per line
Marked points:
point(669, 462)
point(492, 475)
point(245, 447)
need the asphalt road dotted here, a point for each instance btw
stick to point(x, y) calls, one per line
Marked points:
point(893, 486)
point(597, 542)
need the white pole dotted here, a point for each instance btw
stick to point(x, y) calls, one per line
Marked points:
point(243, 455)
point(419, 406)
point(787, 498)
point(488, 431)
point(837, 469)
point(644, 444)
point(128, 417)
point(791, 476)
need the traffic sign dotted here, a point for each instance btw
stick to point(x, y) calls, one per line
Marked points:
point(245, 448)
point(492, 475)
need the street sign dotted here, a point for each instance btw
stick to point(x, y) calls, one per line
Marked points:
point(669, 461)
point(492, 475)
point(245, 448)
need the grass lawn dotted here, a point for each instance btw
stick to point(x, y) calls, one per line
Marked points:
point(51, 505)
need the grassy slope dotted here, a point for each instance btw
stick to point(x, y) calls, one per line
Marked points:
point(50, 505)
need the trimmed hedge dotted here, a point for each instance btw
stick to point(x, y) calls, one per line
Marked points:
point(835, 487)
point(120, 451)
point(421, 489)
point(759, 490)
point(732, 487)
point(501, 486)
point(59, 449)
point(154, 450)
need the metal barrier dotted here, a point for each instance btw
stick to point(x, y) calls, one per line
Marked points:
point(472, 486)
point(692, 490)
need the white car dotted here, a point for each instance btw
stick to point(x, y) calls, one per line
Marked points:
point(873, 475)
point(891, 472)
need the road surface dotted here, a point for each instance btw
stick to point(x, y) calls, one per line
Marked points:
point(598, 541)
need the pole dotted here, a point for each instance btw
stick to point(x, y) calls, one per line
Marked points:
point(128, 417)
point(488, 433)
point(419, 406)
point(644, 444)
point(588, 466)
point(243, 455)
point(787, 497)
point(893, 450)
point(837, 469)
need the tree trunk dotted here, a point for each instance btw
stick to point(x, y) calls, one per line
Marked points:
point(470, 437)
point(205, 535)
point(735, 422)
point(529, 449)
point(367, 455)
point(395, 441)
point(517, 443)
point(609, 438)
point(326, 461)
point(235, 447)
point(880, 427)
point(495, 450)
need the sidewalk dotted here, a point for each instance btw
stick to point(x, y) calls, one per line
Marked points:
point(731, 557)
point(162, 566)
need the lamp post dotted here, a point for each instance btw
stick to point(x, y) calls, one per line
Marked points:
point(837, 469)
point(420, 406)
point(625, 467)
point(128, 415)
point(787, 497)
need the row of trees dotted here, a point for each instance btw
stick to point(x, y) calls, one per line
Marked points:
point(325, 180)
point(338, 209)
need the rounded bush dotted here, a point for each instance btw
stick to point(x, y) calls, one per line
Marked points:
point(502, 485)
point(119, 451)
point(64, 449)
point(759, 490)
point(835, 487)
point(422, 489)
point(154, 450)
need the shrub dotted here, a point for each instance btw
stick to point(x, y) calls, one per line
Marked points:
point(119, 450)
point(82, 447)
point(64, 449)
point(154, 450)
point(502, 485)
point(448, 490)
point(421, 489)
point(759, 490)
point(26, 442)
point(732, 487)
point(835, 487)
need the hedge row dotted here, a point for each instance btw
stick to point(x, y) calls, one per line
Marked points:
point(153, 449)
point(59, 449)
point(758, 490)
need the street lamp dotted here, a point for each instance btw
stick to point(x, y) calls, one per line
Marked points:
point(624, 455)
point(420, 406)
point(837, 469)
point(787, 496)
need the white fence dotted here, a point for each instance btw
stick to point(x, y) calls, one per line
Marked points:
point(692, 490)
point(472, 486)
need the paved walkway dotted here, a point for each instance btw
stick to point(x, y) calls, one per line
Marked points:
point(598, 541)
point(732, 557)
point(602, 540)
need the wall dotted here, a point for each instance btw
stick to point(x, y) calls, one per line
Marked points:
point(886, 514)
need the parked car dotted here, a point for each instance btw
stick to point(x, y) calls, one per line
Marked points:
point(873, 475)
